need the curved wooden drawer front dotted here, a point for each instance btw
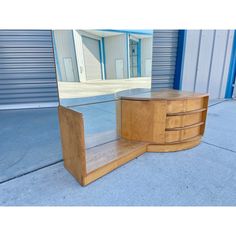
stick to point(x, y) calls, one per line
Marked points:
point(184, 105)
point(183, 120)
point(164, 121)
point(180, 135)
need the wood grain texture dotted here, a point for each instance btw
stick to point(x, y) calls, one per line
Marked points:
point(165, 94)
point(183, 134)
point(143, 120)
point(89, 165)
point(186, 113)
point(114, 158)
point(173, 147)
point(183, 120)
point(204, 114)
point(174, 106)
point(73, 145)
point(163, 117)
point(185, 127)
point(137, 120)
point(107, 153)
point(159, 122)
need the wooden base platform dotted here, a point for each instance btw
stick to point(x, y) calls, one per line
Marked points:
point(107, 157)
point(174, 147)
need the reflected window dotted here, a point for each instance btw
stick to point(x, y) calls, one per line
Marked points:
point(133, 45)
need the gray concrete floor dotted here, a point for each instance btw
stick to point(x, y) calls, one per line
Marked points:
point(29, 140)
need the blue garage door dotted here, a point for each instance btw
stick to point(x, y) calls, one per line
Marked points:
point(165, 44)
point(27, 69)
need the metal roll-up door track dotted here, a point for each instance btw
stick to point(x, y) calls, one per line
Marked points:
point(27, 69)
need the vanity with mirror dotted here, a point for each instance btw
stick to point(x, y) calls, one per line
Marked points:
point(150, 121)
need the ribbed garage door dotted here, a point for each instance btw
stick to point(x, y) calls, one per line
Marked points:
point(92, 58)
point(165, 43)
point(27, 69)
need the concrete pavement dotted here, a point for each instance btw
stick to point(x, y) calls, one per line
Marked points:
point(205, 175)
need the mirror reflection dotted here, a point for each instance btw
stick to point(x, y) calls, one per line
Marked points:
point(94, 67)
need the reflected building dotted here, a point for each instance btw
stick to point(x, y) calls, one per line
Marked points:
point(93, 55)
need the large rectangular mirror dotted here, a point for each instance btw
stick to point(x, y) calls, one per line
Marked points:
point(94, 67)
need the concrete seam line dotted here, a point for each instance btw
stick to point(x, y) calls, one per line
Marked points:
point(212, 105)
point(211, 144)
point(29, 172)
point(42, 167)
point(57, 162)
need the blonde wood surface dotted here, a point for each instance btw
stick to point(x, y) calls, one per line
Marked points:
point(116, 158)
point(184, 105)
point(89, 165)
point(164, 121)
point(165, 94)
point(186, 113)
point(159, 121)
point(183, 120)
point(183, 127)
point(180, 135)
point(73, 145)
point(163, 117)
point(204, 114)
point(137, 120)
point(190, 132)
point(194, 104)
point(107, 153)
point(143, 120)
point(173, 147)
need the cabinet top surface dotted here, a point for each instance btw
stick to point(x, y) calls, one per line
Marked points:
point(169, 94)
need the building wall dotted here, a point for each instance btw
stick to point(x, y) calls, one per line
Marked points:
point(67, 65)
point(206, 61)
point(80, 47)
point(146, 54)
point(115, 48)
point(92, 60)
point(79, 55)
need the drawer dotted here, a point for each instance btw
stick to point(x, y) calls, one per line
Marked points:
point(183, 120)
point(172, 136)
point(175, 106)
point(194, 104)
point(191, 132)
point(184, 105)
point(180, 135)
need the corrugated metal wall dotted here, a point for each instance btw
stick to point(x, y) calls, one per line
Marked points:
point(165, 43)
point(27, 69)
point(206, 61)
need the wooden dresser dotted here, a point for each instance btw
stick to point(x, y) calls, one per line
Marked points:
point(168, 120)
